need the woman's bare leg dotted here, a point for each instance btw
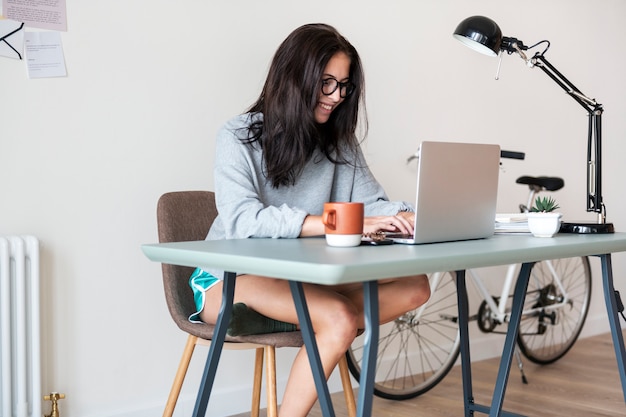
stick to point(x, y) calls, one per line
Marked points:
point(336, 313)
point(334, 319)
point(396, 296)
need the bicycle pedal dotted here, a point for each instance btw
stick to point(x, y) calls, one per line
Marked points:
point(450, 317)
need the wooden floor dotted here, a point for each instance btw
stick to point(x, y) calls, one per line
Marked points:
point(585, 383)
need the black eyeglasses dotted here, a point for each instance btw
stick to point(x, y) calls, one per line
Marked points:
point(330, 85)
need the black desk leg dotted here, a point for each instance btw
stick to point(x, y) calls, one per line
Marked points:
point(466, 362)
point(368, 366)
point(215, 350)
point(519, 295)
point(611, 307)
point(311, 349)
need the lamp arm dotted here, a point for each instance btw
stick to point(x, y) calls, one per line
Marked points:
point(594, 172)
point(594, 136)
point(589, 104)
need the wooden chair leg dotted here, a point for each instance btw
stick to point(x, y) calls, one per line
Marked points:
point(347, 386)
point(270, 368)
point(180, 376)
point(257, 382)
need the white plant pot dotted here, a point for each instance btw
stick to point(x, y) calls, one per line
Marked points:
point(544, 224)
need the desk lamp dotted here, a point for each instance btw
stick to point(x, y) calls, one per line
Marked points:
point(483, 35)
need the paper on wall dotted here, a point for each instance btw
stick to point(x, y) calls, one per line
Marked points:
point(43, 14)
point(11, 38)
point(44, 55)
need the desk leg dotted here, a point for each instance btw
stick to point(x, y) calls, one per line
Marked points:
point(311, 349)
point(215, 350)
point(368, 366)
point(466, 362)
point(511, 337)
point(611, 306)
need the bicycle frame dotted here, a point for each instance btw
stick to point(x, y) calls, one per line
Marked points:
point(499, 311)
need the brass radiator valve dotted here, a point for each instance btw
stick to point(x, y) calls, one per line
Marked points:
point(54, 397)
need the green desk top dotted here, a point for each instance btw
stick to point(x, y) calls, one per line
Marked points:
point(311, 260)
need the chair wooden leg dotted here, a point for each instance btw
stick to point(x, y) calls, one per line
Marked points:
point(180, 376)
point(347, 386)
point(270, 386)
point(257, 382)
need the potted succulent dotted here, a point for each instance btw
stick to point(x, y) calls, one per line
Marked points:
point(543, 221)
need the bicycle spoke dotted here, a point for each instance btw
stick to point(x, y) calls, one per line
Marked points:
point(416, 350)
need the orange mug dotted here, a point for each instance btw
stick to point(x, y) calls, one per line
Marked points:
point(343, 223)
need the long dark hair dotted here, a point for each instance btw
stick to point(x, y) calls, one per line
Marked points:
point(288, 132)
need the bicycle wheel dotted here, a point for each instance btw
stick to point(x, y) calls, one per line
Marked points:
point(556, 314)
point(418, 349)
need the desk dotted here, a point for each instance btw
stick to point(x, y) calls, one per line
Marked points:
point(311, 260)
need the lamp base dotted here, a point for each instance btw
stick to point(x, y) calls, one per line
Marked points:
point(587, 228)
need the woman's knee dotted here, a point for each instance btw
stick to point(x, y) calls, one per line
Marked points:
point(338, 322)
point(420, 291)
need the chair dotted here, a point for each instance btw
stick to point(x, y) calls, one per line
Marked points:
point(187, 216)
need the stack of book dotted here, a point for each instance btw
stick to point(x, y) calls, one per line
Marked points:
point(512, 223)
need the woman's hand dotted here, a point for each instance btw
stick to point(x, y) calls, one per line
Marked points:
point(400, 223)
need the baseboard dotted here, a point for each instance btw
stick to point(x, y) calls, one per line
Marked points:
point(224, 402)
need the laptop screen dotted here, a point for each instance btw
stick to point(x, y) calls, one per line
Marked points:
point(457, 187)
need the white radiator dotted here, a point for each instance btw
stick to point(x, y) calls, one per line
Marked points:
point(20, 352)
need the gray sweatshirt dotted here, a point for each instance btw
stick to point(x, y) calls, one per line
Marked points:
point(249, 206)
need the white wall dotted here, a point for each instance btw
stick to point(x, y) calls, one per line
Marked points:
point(83, 159)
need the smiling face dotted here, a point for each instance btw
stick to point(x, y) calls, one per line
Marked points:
point(338, 67)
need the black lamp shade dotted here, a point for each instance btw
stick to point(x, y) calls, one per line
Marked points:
point(481, 34)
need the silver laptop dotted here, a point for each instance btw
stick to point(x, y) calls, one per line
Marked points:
point(457, 188)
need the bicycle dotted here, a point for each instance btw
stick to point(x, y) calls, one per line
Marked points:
point(417, 350)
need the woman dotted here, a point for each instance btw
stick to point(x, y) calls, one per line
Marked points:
point(276, 165)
